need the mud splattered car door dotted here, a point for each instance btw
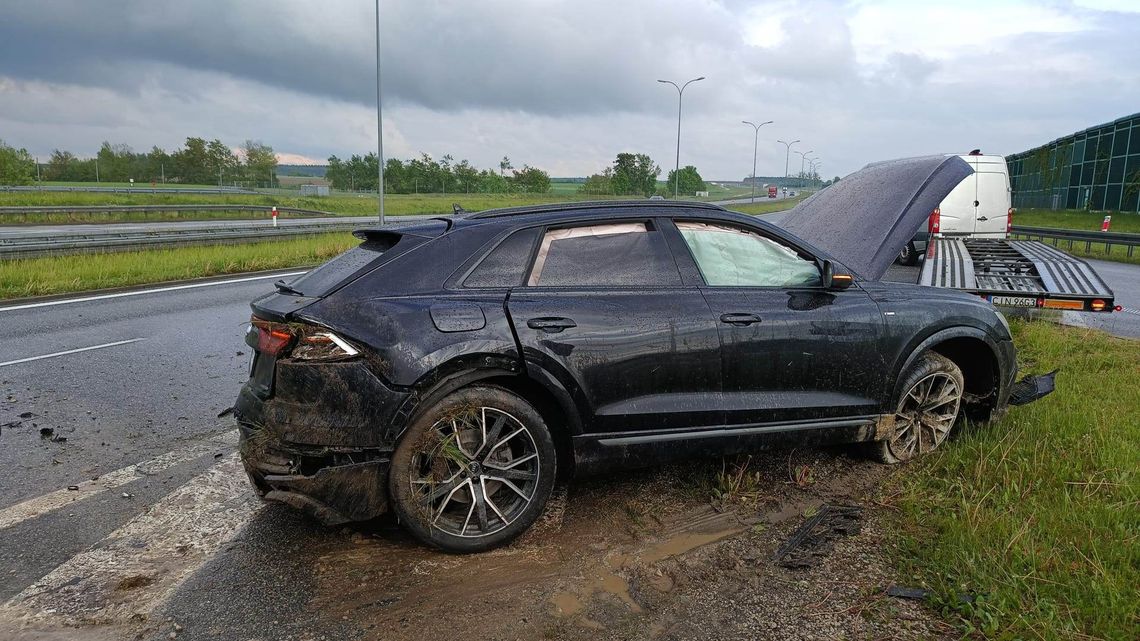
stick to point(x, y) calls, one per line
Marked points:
point(791, 350)
point(605, 313)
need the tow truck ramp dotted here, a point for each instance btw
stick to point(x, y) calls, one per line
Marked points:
point(1015, 273)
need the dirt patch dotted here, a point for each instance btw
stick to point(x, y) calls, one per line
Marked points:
point(643, 556)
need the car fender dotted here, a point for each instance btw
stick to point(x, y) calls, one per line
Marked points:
point(922, 344)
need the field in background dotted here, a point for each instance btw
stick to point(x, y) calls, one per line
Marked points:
point(765, 206)
point(1038, 516)
point(63, 274)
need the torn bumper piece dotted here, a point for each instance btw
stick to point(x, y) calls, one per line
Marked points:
point(1031, 388)
point(332, 486)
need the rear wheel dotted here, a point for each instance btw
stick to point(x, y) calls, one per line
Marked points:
point(473, 472)
point(908, 256)
point(926, 411)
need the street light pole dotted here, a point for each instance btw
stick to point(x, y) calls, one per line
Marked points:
point(803, 158)
point(379, 122)
point(787, 154)
point(677, 164)
point(755, 141)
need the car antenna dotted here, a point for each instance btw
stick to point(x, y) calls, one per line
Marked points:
point(457, 209)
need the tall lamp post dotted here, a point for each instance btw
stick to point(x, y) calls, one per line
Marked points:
point(787, 154)
point(379, 122)
point(677, 167)
point(803, 159)
point(755, 141)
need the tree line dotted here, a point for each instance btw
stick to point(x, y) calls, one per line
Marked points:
point(198, 162)
point(428, 175)
point(636, 175)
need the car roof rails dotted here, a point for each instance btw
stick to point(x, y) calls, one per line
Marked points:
point(596, 204)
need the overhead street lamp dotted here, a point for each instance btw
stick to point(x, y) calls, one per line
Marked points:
point(803, 159)
point(677, 167)
point(755, 140)
point(379, 122)
point(787, 154)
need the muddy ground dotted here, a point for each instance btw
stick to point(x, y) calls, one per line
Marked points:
point(645, 555)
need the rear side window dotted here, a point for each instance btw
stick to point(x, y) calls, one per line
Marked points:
point(730, 256)
point(343, 268)
point(609, 255)
point(507, 263)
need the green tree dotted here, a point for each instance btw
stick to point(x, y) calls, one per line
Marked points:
point(192, 163)
point(504, 165)
point(598, 184)
point(635, 174)
point(532, 180)
point(16, 165)
point(690, 180)
point(63, 165)
point(221, 161)
point(260, 162)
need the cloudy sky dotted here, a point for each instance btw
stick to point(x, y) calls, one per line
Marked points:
point(566, 85)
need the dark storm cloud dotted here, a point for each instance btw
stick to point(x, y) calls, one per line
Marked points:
point(537, 58)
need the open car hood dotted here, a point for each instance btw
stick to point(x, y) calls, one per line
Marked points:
point(866, 219)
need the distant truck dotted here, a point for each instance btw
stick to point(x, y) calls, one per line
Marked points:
point(966, 246)
point(772, 191)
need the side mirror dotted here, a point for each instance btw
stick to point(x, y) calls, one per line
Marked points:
point(834, 281)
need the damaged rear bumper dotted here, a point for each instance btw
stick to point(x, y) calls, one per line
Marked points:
point(332, 486)
point(317, 439)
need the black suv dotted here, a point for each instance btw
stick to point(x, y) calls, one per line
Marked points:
point(451, 368)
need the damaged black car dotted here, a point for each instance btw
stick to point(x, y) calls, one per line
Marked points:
point(450, 370)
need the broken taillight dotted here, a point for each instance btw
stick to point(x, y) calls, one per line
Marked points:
point(935, 223)
point(301, 342)
point(272, 338)
point(1009, 221)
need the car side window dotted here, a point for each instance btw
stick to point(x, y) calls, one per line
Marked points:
point(506, 264)
point(607, 255)
point(730, 256)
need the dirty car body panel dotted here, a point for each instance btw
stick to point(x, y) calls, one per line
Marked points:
point(636, 329)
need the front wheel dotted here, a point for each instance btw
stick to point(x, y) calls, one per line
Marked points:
point(473, 472)
point(926, 410)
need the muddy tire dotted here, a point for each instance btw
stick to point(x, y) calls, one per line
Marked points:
point(929, 403)
point(908, 255)
point(474, 471)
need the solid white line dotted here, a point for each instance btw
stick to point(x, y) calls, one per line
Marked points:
point(31, 508)
point(140, 292)
point(151, 555)
point(70, 351)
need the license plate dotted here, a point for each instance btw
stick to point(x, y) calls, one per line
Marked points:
point(1014, 301)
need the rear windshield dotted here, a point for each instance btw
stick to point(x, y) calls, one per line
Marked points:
point(343, 268)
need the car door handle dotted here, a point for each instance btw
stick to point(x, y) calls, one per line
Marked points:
point(739, 319)
point(983, 218)
point(550, 324)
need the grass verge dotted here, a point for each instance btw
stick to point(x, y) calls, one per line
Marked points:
point(1123, 222)
point(65, 274)
point(342, 204)
point(1038, 515)
point(762, 207)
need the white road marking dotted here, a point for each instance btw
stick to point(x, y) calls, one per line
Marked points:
point(31, 508)
point(70, 351)
point(156, 290)
point(122, 579)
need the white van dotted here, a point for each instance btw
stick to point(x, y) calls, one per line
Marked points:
point(979, 207)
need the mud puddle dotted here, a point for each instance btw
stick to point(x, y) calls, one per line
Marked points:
point(638, 556)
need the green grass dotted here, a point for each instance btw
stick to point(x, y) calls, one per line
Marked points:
point(345, 205)
point(1122, 222)
point(1039, 514)
point(766, 206)
point(64, 274)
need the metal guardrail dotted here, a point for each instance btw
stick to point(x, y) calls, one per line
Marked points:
point(33, 246)
point(129, 190)
point(1089, 238)
point(6, 212)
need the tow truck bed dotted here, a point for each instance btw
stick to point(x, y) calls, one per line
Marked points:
point(1015, 273)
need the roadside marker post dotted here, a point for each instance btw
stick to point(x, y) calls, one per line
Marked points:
point(275, 215)
point(1107, 222)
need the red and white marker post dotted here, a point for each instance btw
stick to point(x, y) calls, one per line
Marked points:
point(274, 214)
point(1107, 222)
